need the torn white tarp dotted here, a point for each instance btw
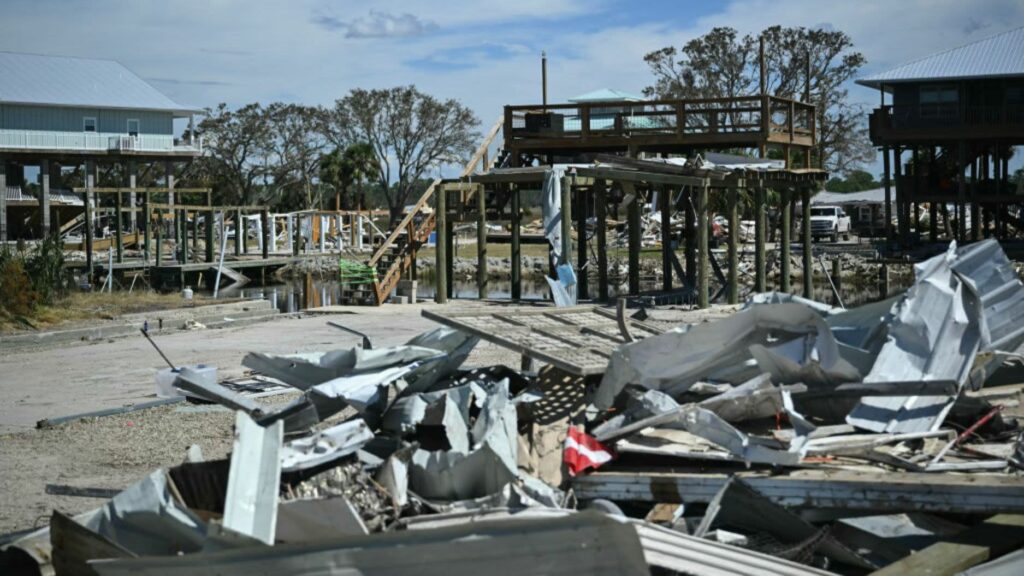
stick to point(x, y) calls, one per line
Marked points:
point(722, 350)
point(563, 288)
point(325, 446)
point(254, 479)
point(962, 302)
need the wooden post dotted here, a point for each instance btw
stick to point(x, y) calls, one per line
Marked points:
point(159, 237)
point(976, 223)
point(238, 234)
point(3, 199)
point(481, 242)
point(44, 199)
point(759, 241)
point(633, 218)
point(837, 281)
point(517, 254)
point(118, 233)
point(440, 257)
point(734, 240)
point(210, 222)
point(147, 219)
point(902, 226)
point(582, 266)
point(296, 234)
point(566, 219)
point(787, 232)
point(195, 235)
point(601, 214)
point(961, 191)
point(702, 247)
point(449, 239)
point(887, 177)
point(133, 177)
point(265, 231)
point(90, 184)
point(883, 281)
point(808, 259)
point(690, 236)
point(665, 206)
point(243, 231)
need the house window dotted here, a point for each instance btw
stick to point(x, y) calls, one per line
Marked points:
point(939, 101)
point(89, 124)
point(133, 126)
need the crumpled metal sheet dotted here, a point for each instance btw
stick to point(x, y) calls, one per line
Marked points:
point(673, 361)
point(146, 519)
point(325, 446)
point(254, 479)
point(963, 302)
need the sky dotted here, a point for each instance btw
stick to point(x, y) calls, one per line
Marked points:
point(484, 53)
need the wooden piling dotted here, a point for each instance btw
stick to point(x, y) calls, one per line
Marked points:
point(837, 281)
point(786, 240)
point(440, 258)
point(734, 241)
point(702, 247)
point(690, 237)
point(210, 222)
point(633, 223)
point(118, 233)
point(90, 184)
point(601, 213)
point(759, 241)
point(665, 206)
point(582, 267)
point(806, 225)
point(265, 232)
point(883, 281)
point(296, 234)
point(517, 254)
point(159, 237)
point(449, 239)
point(243, 230)
point(147, 247)
point(481, 242)
point(887, 181)
point(195, 235)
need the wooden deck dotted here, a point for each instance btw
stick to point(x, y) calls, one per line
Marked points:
point(659, 125)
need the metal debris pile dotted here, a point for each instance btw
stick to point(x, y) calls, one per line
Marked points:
point(786, 438)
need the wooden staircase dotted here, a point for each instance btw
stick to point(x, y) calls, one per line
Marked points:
point(396, 254)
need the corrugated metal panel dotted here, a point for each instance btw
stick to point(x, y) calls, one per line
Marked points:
point(66, 81)
point(874, 196)
point(1001, 55)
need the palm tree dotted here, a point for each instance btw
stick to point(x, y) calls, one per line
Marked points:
point(348, 168)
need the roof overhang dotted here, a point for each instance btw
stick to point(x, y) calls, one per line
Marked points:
point(179, 112)
point(887, 85)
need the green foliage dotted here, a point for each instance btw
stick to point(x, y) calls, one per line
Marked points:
point(855, 181)
point(45, 266)
point(724, 64)
point(17, 297)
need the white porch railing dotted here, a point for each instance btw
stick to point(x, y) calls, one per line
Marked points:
point(98, 141)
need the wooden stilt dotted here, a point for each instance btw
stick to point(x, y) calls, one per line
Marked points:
point(90, 184)
point(808, 257)
point(440, 256)
point(601, 214)
point(517, 255)
point(265, 232)
point(147, 247)
point(734, 241)
point(702, 246)
point(582, 259)
point(633, 223)
point(481, 243)
point(210, 223)
point(887, 177)
point(786, 239)
point(118, 225)
point(760, 226)
point(159, 246)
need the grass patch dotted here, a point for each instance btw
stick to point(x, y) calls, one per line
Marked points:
point(85, 306)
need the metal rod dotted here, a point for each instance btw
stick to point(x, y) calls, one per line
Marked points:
point(159, 351)
point(367, 345)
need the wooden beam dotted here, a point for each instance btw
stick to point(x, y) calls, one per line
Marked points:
point(155, 190)
point(633, 224)
point(148, 221)
point(760, 226)
point(690, 237)
point(517, 264)
point(734, 241)
point(702, 247)
point(636, 176)
point(118, 224)
point(601, 213)
point(481, 242)
point(440, 259)
point(786, 233)
point(665, 206)
point(990, 539)
point(808, 257)
point(582, 267)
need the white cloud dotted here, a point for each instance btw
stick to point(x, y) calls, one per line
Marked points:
point(378, 24)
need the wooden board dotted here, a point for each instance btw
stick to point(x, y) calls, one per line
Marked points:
point(579, 340)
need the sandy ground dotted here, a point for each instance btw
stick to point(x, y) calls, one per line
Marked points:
point(116, 451)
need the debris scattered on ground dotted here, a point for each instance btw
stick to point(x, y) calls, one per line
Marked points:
point(788, 437)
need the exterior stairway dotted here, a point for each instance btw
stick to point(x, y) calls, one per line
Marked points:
point(397, 253)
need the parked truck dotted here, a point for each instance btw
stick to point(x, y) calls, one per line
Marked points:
point(829, 222)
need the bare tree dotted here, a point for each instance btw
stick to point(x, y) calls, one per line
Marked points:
point(296, 146)
point(409, 131)
point(722, 64)
point(236, 145)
